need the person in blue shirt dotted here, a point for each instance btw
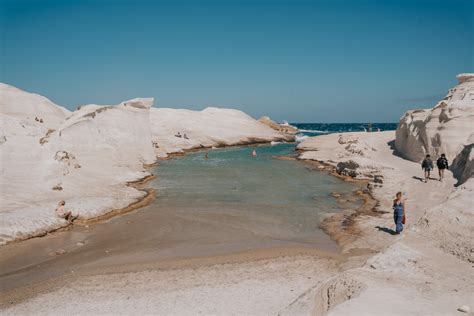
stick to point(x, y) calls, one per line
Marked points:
point(399, 212)
point(427, 166)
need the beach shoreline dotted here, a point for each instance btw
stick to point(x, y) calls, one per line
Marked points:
point(347, 276)
point(233, 257)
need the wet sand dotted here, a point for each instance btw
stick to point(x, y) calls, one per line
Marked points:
point(147, 239)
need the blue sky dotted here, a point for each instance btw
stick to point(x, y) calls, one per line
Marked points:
point(302, 61)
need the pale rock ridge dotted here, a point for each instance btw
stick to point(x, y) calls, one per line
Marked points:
point(87, 157)
point(282, 128)
point(176, 130)
point(446, 128)
point(14, 102)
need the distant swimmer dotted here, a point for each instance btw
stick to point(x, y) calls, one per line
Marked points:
point(254, 153)
point(206, 155)
point(63, 213)
point(442, 164)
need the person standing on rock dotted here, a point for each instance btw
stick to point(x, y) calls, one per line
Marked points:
point(399, 213)
point(442, 164)
point(427, 166)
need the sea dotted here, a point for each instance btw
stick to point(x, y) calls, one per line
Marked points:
point(314, 129)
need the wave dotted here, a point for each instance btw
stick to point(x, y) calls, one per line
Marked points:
point(314, 131)
point(300, 137)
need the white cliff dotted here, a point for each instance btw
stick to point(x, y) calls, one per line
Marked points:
point(87, 157)
point(176, 130)
point(446, 128)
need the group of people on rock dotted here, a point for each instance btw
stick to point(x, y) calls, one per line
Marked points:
point(181, 136)
point(427, 166)
point(399, 207)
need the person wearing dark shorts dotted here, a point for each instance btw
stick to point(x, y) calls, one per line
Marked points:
point(442, 164)
point(427, 166)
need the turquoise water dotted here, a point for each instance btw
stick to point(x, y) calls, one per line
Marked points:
point(230, 203)
point(313, 129)
point(261, 197)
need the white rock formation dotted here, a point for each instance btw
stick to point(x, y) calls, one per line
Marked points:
point(447, 128)
point(282, 128)
point(211, 127)
point(423, 271)
point(87, 157)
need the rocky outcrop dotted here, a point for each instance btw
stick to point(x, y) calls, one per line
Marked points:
point(88, 157)
point(446, 128)
point(336, 291)
point(85, 157)
point(35, 112)
point(347, 168)
point(463, 165)
point(281, 128)
point(176, 130)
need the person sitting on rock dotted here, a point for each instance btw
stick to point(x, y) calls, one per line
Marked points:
point(185, 136)
point(398, 213)
point(178, 135)
point(427, 166)
point(442, 164)
point(62, 213)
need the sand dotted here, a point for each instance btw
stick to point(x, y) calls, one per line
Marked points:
point(411, 274)
point(427, 270)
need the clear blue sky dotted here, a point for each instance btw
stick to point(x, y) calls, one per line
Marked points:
point(303, 61)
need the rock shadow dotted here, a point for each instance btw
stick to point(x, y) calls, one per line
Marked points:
point(391, 144)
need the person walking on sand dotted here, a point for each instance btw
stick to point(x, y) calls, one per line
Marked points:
point(442, 164)
point(62, 213)
point(427, 166)
point(399, 213)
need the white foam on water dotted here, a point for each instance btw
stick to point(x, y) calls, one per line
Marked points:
point(315, 131)
point(300, 137)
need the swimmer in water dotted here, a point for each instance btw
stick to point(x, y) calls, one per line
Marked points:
point(254, 153)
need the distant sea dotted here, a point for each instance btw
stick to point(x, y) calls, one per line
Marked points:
point(314, 129)
point(327, 128)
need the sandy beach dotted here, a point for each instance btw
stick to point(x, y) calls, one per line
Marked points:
point(250, 158)
point(425, 270)
point(405, 266)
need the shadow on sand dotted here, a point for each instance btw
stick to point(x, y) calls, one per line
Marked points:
point(386, 230)
point(418, 178)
